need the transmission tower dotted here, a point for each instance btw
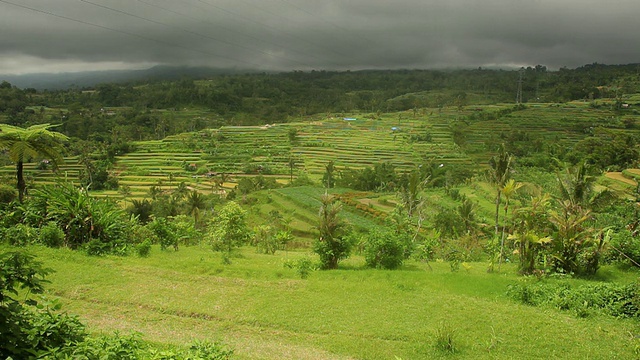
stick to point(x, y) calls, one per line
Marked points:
point(519, 93)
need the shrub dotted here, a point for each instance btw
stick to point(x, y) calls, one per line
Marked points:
point(303, 266)
point(332, 245)
point(229, 228)
point(20, 235)
point(51, 235)
point(444, 338)
point(264, 239)
point(625, 248)
point(26, 330)
point(165, 232)
point(144, 248)
point(384, 249)
point(83, 218)
point(7, 194)
point(610, 299)
point(210, 351)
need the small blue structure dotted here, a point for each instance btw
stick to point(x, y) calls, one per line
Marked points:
point(349, 119)
point(395, 128)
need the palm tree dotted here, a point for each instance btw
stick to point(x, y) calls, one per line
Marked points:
point(509, 189)
point(499, 174)
point(195, 203)
point(24, 144)
point(578, 188)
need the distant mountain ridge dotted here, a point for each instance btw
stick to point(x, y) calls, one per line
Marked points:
point(60, 81)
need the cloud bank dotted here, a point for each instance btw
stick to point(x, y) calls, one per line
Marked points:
point(80, 35)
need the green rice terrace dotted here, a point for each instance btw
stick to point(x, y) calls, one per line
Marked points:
point(280, 150)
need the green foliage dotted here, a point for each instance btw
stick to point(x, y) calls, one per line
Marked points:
point(447, 222)
point(328, 178)
point(97, 174)
point(292, 134)
point(607, 150)
point(384, 249)
point(32, 142)
point(267, 240)
point(574, 248)
point(381, 177)
point(51, 235)
point(27, 328)
point(185, 230)
point(166, 233)
point(204, 350)
point(529, 248)
point(141, 209)
point(605, 298)
point(109, 347)
point(445, 338)
point(20, 235)
point(264, 240)
point(625, 248)
point(229, 228)
point(7, 194)
point(332, 245)
point(83, 219)
point(303, 266)
point(143, 249)
point(248, 185)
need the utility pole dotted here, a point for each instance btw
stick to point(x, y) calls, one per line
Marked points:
point(519, 93)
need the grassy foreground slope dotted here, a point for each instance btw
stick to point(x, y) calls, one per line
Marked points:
point(264, 311)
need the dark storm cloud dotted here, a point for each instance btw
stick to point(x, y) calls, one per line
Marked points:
point(67, 35)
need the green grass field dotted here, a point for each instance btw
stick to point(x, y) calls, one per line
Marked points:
point(264, 311)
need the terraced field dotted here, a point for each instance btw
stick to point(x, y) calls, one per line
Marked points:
point(404, 139)
point(70, 169)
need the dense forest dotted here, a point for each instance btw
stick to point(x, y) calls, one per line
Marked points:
point(268, 98)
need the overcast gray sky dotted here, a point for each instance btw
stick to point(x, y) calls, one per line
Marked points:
point(79, 35)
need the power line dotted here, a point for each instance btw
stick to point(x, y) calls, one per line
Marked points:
point(288, 20)
point(268, 27)
point(213, 38)
point(327, 21)
point(262, 40)
point(167, 25)
point(125, 32)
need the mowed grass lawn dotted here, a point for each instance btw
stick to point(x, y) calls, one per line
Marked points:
point(265, 311)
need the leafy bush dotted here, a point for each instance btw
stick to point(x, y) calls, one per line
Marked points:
point(20, 235)
point(625, 248)
point(332, 245)
point(264, 239)
point(229, 228)
point(7, 194)
point(384, 249)
point(165, 232)
point(51, 235)
point(610, 299)
point(144, 248)
point(82, 218)
point(303, 266)
point(27, 327)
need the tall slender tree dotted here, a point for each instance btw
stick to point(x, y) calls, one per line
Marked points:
point(26, 144)
point(509, 189)
point(499, 174)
